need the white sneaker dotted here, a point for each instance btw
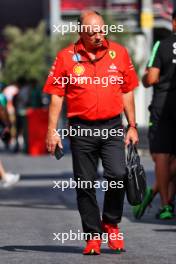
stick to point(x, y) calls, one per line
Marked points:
point(10, 180)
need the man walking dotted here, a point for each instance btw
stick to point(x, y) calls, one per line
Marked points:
point(95, 106)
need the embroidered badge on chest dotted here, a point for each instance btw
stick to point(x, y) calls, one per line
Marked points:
point(112, 54)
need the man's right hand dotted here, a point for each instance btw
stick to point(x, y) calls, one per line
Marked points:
point(53, 139)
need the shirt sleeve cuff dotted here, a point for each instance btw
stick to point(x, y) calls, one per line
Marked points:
point(54, 90)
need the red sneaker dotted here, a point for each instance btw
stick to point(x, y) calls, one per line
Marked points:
point(92, 247)
point(115, 237)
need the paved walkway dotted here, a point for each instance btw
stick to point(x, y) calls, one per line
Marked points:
point(32, 211)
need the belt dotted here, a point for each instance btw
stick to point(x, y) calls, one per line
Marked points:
point(94, 122)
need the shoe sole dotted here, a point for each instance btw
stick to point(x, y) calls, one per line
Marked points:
point(118, 250)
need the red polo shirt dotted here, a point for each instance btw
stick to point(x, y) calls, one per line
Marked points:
point(95, 96)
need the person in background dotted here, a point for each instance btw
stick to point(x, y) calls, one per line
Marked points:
point(35, 95)
point(161, 74)
point(20, 103)
point(7, 179)
point(3, 104)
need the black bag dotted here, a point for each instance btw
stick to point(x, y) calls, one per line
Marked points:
point(135, 178)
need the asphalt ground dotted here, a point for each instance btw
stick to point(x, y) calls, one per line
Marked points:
point(32, 211)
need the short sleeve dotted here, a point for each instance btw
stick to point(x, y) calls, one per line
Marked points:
point(54, 84)
point(155, 58)
point(130, 79)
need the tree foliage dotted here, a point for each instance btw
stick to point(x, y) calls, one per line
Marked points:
point(30, 53)
point(26, 53)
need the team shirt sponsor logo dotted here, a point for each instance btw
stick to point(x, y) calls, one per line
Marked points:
point(112, 54)
point(76, 57)
point(78, 69)
point(112, 68)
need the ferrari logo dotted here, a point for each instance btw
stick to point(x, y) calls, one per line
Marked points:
point(79, 69)
point(112, 54)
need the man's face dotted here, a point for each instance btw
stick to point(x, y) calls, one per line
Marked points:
point(92, 34)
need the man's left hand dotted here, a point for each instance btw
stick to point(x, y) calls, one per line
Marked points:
point(131, 136)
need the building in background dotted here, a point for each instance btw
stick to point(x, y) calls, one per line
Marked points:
point(29, 13)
